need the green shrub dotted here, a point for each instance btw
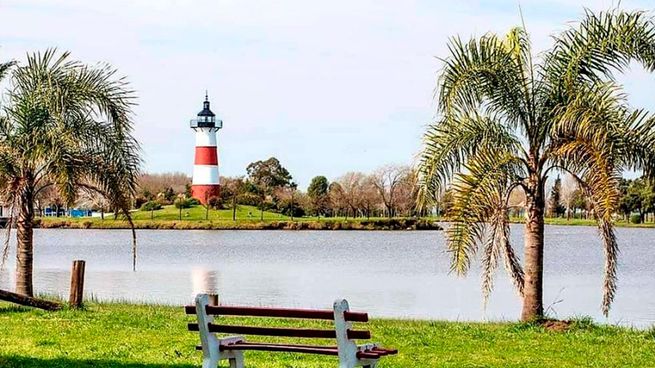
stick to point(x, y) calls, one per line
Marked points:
point(635, 219)
point(151, 206)
point(186, 202)
point(215, 203)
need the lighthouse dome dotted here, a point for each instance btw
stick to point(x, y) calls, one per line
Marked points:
point(206, 118)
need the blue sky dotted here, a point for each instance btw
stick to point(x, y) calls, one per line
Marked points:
point(327, 87)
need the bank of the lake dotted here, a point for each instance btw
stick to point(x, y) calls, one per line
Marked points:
point(301, 224)
point(140, 336)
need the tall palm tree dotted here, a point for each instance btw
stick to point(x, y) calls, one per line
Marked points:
point(67, 126)
point(507, 120)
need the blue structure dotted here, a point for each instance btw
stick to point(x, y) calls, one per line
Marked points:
point(78, 212)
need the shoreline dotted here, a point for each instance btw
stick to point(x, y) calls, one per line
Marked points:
point(408, 224)
point(327, 225)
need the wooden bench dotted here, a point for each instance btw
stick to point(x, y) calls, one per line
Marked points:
point(216, 349)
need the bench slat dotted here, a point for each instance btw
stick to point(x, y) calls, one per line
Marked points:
point(277, 312)
point(199, 347)
point(273, 331)
point(284, 332)
point(282, 348)
point(367, 355)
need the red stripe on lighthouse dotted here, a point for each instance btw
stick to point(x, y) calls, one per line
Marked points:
point(206, 156)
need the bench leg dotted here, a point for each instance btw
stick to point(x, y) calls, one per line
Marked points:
point(209, 362)
point(237, 361)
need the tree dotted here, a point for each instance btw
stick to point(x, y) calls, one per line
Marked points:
point(268, 176)
point(152, 183)
point(369, 196)
point(406, 193)
point(387, 179)
point(66, 126)
point(289, 201)
point(506, 120)
point(319, 199)
point(232, 190)
point(350, 190)
point(555, 201)
point(338, 199)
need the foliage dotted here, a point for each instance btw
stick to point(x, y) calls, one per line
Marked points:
point(151, 184)
point(268, 174)
point(215, 203)
point(151, 206)
point(638, 196)
point(507, 120)
point(555, 206)
point(319, 199)
point(183, 202)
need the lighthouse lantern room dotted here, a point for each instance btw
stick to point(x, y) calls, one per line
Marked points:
point(206, 182)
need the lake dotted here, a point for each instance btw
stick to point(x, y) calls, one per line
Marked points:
point(402, 274)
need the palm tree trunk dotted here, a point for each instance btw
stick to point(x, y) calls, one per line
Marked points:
point(533, 305)
point(25, 245)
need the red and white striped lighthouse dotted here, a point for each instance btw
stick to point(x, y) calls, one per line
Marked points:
point(206, 182)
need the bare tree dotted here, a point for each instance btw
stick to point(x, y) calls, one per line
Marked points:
point(157, 183)
point(569, 194)
point(369, 198)
point(405, 194)
point(387, 179)
point(350, 190)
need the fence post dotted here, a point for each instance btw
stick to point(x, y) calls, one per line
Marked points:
point(77, 284)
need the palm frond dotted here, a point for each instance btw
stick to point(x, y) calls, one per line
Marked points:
point(487, 73)
point(450, 143)
point(480, 198)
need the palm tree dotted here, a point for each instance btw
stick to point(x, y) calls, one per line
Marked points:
point(66, 126)
point(506, 121)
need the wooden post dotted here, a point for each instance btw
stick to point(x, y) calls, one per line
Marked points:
point(77, 284)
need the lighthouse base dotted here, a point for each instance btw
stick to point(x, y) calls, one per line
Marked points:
point(204, 193)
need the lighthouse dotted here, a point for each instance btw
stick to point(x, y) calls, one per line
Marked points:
point(206, 182)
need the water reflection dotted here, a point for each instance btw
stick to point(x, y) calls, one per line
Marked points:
point(390, 274)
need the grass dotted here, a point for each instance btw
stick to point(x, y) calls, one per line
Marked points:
point(591, 222)
point(142, 336)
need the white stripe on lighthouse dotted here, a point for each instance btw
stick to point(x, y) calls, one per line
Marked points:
point(205, 137)
point(205, 175)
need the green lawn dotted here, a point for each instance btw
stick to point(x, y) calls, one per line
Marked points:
point(131, 336)
point(251, 214)
point(248, 218)
point(198, 213)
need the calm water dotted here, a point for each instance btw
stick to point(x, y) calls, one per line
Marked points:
point(390, 274)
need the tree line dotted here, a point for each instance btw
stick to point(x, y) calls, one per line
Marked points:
point(389, 191)
point(636, 202)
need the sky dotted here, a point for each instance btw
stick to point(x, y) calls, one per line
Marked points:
point(326, 87)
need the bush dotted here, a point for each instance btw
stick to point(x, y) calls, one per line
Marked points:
point(186, 202)
point(151, 206)
point(635, 219)
point(140, 201)
point(249, 199)
point(215, 203)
